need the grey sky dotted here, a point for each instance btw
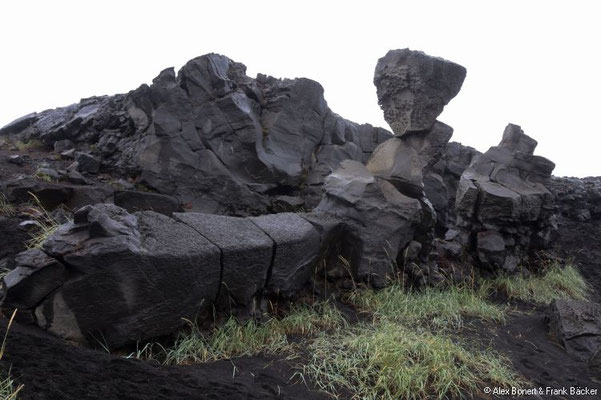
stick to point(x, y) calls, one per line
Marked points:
point(533, 63)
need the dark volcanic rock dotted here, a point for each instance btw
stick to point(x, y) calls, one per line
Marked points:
point(134, 201)
point(296, 248)
point(402, 161)
point(503, 201)
point(381, 219)
point(246, 253)
point(12, 237)
point(36, 275)
point(211, 136)
point(576, 325)
point(131, 277)
point(413, 88)
point(49, 194)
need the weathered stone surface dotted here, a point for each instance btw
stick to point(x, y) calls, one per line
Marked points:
point(134, 201)
point(246, 252)
point(12, 237)
point(131, 277)
point(515, 139)
point(49, 194)
point(503, 191)
point(296, 248)
point(35, 276)
point(381, 220)
point(401, 161)
point(214, 138)
point(413, 88)
point(16, 159)
point(491, 248)
point(578, 199)
point(576, 325)
point(87, 162)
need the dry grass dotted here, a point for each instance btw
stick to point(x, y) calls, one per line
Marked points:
point(45, 223)
point(6, 208)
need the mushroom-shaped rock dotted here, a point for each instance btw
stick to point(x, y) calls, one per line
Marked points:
point(413, 88)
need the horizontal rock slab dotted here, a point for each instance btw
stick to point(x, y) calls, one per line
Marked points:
point(134, 201)
point(131, 277)
point(296, 248)
point(246, 252)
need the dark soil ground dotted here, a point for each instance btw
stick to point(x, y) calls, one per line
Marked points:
point(50, 368)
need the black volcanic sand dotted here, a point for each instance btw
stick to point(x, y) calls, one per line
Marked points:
point(51, 368)
point(524, 339)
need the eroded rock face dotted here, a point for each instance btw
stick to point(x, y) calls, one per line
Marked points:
point(413, 88)
point(122, 277)
point(402, 161)
point(503, 202)
point(219, 141)
point(380, 219)
point(576, 325)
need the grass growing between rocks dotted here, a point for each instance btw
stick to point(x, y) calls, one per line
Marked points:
point(28, 145)
point(46, 224)
point(6, 208)
point(235, 339)
point(434, 307)
point(556, 282)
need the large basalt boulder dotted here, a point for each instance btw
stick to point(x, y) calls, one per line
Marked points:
point(118, 277)
point(503, 203)
point(218, 140)
point(130, 277)
point(413, 88)
point(381, 220)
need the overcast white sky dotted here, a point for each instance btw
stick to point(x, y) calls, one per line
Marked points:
point(533, 63)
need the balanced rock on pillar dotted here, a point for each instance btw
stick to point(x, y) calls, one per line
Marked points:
point(413, 88)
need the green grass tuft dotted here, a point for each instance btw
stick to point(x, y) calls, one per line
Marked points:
point(556, 282)
point(435, 307)
point(235, 339)
point(389, 361)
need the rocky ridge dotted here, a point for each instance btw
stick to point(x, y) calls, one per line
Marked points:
point(209, 188)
